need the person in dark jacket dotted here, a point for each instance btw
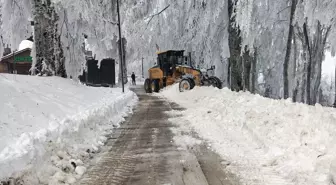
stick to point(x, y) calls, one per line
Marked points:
point(133, 79)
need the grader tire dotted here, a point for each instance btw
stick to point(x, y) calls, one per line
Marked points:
point(147, 85)
point(215, 82)
point(193, 84)
point(186, 84)
point(155, 86)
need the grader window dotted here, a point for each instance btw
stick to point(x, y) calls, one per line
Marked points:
point(180, 61)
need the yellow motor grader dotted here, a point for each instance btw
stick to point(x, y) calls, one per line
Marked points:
point(173, 67)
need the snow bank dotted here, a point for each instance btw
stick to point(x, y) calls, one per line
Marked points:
point(266, 141)
point(51, 126)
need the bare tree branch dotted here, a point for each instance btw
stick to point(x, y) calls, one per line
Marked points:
point(283, 9)
point(152, 16)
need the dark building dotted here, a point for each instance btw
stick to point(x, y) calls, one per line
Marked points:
point(99, 76)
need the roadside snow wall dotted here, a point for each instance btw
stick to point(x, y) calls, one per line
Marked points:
point(51, 127)
point(264, 141)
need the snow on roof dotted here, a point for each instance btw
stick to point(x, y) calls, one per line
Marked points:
point(12, 54)
point(25, 44)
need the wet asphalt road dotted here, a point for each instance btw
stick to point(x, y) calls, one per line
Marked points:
point(142, 152)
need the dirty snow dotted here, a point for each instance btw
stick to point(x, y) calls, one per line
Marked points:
point(265, 141)
point(51, 126)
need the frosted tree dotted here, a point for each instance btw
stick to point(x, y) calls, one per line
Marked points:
point(198, 26)
point(288, 49)
point(315, 22)
point(16, 26)
point(49, 59)
point(15, 22)
point(242, 66)
point(59, 27)
point(263, 25)
point(97, 20)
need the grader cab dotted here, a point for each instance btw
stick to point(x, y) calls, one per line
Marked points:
point(173, 67)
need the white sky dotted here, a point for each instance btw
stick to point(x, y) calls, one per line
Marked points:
point(328, 66)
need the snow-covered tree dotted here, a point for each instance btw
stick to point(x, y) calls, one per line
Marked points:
point(315, 21)
point(15, 23)
point(197, 26)
point(49, 59)
point(59, 29)
point(263, 26)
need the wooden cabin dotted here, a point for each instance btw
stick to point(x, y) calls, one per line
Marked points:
point(18, 62)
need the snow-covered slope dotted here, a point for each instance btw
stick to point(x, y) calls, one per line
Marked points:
point(48, 122)
point(265, 141)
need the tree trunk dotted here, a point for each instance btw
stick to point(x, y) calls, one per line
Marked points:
point(49, 54)
point(254, 72)
point(59, 55)
point(295, 91)
point(243, 73)
point(295, 55)
point(309, 66)
point(247, 69)
point(235, 50)
point(295, 86)
point(318, 60)
point(304, 84)
point(123, 59)
point(229, 74)
point(335, 89)
point(315, 47)
point(319, 54)
point(288, 50)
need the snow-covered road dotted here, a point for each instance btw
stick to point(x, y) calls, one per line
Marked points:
point(264, 141)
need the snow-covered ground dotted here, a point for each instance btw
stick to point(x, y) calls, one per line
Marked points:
point(51, 126)
point(263, 141)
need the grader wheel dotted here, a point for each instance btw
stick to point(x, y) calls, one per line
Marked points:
point(186, 84)
point(155, 86)
point(147, 85)
point(215, 82)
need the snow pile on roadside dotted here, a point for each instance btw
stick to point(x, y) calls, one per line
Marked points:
point(266, 141)
point(50, 127)
point(182, 135)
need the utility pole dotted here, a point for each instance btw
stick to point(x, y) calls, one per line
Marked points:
point(14, 63)
point(142, 68)
point(121, 52)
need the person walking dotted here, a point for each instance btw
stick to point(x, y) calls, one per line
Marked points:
point(133, 78)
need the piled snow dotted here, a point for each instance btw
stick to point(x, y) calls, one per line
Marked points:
point(25, 44)
point(50, 127)
point(266, 141)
